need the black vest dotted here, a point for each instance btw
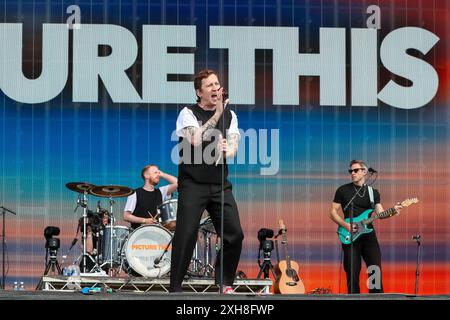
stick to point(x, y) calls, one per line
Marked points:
point(196, 169)
point(146, 201)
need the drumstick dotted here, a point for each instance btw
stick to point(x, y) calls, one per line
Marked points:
point(153, 217)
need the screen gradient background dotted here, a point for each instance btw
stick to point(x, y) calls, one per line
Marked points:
point(44, 146)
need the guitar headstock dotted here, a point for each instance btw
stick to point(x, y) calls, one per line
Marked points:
point(282, 226)
point(408, 202)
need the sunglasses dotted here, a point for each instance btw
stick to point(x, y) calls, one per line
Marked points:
point(355, 170)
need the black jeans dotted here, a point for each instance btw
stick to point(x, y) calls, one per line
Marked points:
point(366, 247)
point(193, 199)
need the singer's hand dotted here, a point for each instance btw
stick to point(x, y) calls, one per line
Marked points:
point(222, 144)
point(221, 104)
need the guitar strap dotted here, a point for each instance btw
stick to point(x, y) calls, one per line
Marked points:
point(372, 201)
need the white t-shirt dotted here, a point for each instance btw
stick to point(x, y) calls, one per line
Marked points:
point(131, 200)
point(186, 118)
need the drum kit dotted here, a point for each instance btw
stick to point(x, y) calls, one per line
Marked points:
point(144, 251)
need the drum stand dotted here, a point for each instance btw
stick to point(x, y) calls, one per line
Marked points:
point(85, 254)
point(208, 267)
point(203, 269)
point(111, 270)
point(196, 262)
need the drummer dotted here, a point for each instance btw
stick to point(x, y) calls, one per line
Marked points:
point(141, 206)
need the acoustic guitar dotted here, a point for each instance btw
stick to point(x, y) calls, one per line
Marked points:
point(287, 280)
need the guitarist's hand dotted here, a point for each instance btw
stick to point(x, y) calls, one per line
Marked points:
point(397, 208)
point(355, 227)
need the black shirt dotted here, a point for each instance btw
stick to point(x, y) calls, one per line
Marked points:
point(360, 204)
point(146, 201)
point(204, 172)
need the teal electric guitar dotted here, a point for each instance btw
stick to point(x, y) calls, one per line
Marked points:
point(364, 219)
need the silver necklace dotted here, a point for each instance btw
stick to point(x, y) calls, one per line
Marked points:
point(357, 191)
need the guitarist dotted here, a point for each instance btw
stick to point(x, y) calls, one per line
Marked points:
point(366, 246)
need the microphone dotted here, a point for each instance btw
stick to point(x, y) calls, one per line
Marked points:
point(224, 98)
point(224, 95)
point(416, 237)
point(156, 262)
point(372, 170)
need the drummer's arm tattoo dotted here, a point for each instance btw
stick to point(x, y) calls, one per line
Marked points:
point(197, 135)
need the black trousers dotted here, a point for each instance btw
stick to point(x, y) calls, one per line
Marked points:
point(366, 247)
point(193, 199)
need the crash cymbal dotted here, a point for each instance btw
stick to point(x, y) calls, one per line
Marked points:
point(80, 187)
point(111, 191)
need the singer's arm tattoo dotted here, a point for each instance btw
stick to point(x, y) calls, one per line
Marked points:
point(190, 132)
point(232, 144)
point(197, 135)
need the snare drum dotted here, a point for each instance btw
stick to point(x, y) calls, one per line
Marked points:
point(168, 213)
point(145, 245)
point(119, 235)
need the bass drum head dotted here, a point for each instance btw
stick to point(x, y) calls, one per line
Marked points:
point(144, 245)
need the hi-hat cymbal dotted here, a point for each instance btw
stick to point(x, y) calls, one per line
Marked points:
point(111, 191)
point(206, 224)
point(80, 187)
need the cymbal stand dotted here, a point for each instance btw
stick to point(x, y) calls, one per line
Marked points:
point(84, 205)
point(113, 234)
point(85, 255)
point(209, 269)
point(196, 262)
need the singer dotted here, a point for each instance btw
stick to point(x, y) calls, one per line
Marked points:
point(366, 246)
point(207, 132)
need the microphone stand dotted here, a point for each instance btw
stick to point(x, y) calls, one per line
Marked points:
point(222, 193)
point(351, 235)
point(4, 210)
point(222, 199)
point(158, 260)
point(417, 239)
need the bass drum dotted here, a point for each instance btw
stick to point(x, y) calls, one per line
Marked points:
point(143, 246)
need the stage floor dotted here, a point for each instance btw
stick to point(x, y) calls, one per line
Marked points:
point(57, 287)
point(207, 296)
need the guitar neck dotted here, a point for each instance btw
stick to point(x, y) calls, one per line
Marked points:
point(286, 251)
point(383, 214)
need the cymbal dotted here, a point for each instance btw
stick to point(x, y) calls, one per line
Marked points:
point(80, 187)
point(206, 225)
point(111, 191)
